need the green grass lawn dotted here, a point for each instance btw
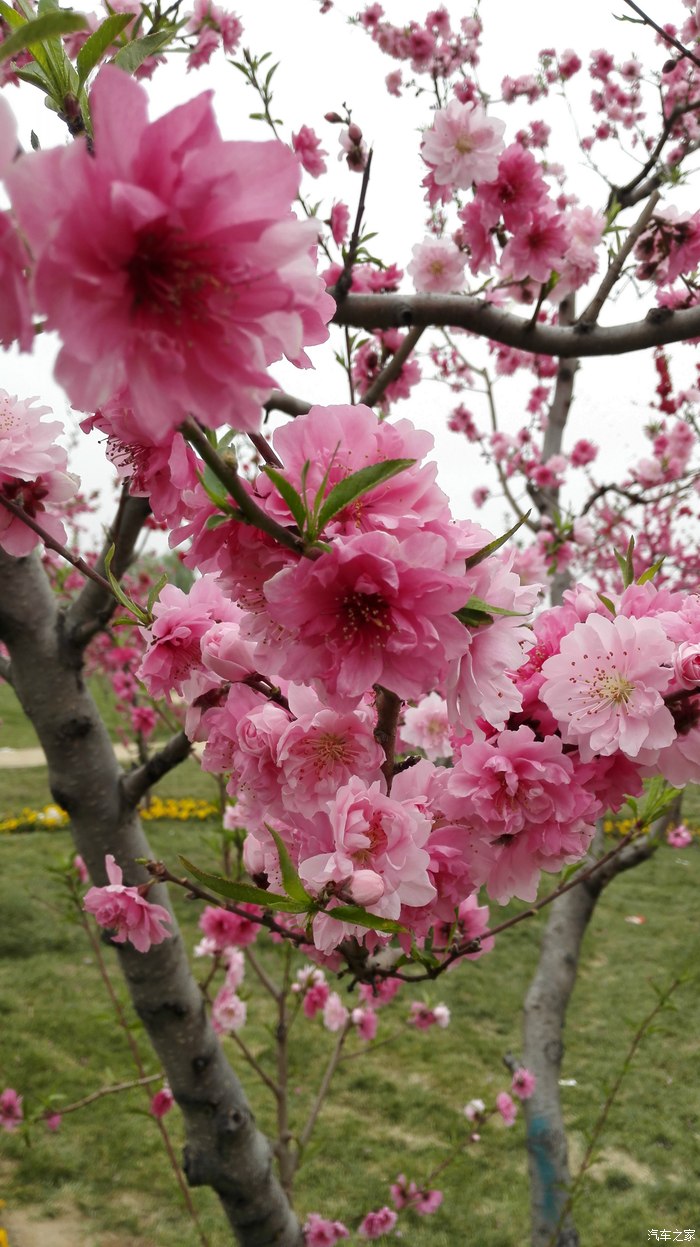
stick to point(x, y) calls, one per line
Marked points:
point(395, 1109)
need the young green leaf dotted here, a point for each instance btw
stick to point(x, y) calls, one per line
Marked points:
point(119, 593)
point(290, 878)
point(486, 551)
point(358, 484)
point(95, 47)
point(244, 893)
point(651, 571)
point(39, 29)
point(606, 602)
point(362, 917)
point(139, 50)
point(625, 563)
point(287, 491)
point(475, 613)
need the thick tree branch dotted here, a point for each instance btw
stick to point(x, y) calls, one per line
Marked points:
point(137, 782)
point(287, 403)
point(5, 670)
point(659, 327)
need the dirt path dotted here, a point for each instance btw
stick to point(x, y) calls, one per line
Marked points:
point(11, 758)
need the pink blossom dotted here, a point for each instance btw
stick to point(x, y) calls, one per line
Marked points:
point(686, 665)
point(143, 720)
point(437, 266)
point(679, 837)
point(10, 1109)
point(321, 749)
point(362, 611)
point(462, 145)
point(423, 1017)
point(335, 1015)
point(520, 796)
point(538, 247)
point(162, 1102)
point(376, 1224)
point(80, 869)
point(339, 222)
point(186, 270)
point(228, 1012)
point(365, 1022)
point(319, 1232)
point(52, 1121)
point(407, 1194)
point(227, 928)
point(476, 234)
point(235, 967)
point(307, 146)
point(16, 323)
point(126, 910)
point(523, 1084)
point(506, 1107)
point(474, 1109)
point(180, 621)
point(394, 82)
point(315, 999)
point(605, 687)
point(516, 191)
point(582, 453)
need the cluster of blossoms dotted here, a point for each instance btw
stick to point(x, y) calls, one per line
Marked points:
point(33, 473)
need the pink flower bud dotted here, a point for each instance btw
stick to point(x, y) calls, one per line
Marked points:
point(354, 132)
point(226, 654)
point(686, 664)
point(366, 887)
point(162, 1102)
point(334, 118)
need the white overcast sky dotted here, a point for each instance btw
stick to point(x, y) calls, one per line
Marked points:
point(325, 63)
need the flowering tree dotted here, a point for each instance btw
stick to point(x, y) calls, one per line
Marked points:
point(342, 616)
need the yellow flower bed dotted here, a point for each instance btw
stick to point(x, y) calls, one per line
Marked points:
point(180, 809)
point(620, 827)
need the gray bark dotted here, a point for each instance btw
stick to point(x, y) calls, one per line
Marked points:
point(224, 1148)
point(544, 1018)
point(659, 327)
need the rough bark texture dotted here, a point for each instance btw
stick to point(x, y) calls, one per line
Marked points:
point(544, 1018)
point(224, 1148)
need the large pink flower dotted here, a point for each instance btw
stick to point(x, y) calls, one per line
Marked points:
point(171, 261)
point(125, 909)
point(462, 145)
point(605, 687)
point(363, 611)
point(180, 620)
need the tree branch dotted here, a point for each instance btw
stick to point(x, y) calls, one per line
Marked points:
point(5, 670)
point(52, 544)
point(386, 311)
point(669, 39)
point(592, 312)
point(138, 781)
point(375, 392)
point(95, 604)
point(291, 406)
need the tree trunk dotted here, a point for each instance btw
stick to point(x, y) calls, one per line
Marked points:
point(544, 1016)
point(224, 1148)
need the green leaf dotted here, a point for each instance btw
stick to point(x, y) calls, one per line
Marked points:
point(651, 571)
point(244, 893)
point(118, 592)
point(155, 592)
point(135, 53)
point(486, 551)
point(476, 613)
point(95, 47)
point(626, 564)
point(358, 484)
point(290, 878)
point(355, 913)
point(607, 602)
point(49, 26)
point(287, 491)
point(10, 15)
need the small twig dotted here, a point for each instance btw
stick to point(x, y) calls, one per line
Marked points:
point(262, 974)
point(265, 450)
point(52, 544)
point(287, 403)
point(323, 1089)
point(592, 312)
point(255, 1064)
point(609, 1101)
point(250, 512)
point(344, 282)
point(374, 392)
point(160, 871)
point(670, 39)
point(388, 710)
point(145, 1081)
